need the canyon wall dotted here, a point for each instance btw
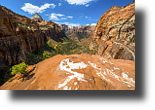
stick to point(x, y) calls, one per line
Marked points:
point(87, 29)
point(115, 32)
point(20, 35)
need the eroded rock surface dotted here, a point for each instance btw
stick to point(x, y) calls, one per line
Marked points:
point(20, 35)
point(78, 72)
point(115, 33)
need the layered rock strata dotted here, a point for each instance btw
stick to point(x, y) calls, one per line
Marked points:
point(115, 32)
point(20, 35)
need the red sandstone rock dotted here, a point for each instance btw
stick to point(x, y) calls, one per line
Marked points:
point(117, 25)
point(16, 41)
point(78, 72)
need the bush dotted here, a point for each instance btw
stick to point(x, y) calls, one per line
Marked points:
point(20, 68)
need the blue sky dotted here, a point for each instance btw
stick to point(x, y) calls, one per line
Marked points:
point(70, 12)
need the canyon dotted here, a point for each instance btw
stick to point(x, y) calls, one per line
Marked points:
point(100, 57)
point(20, 35)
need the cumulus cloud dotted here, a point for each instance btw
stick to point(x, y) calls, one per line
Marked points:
point(31, 9)
point(80, 2)
point(58, 17)
point(59, 4)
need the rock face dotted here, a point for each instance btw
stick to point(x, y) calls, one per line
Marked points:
point(87, 29)
point(22, 21)
point(77, 72)
point(36, 17)
point(51, 29)
point(115, 32)
point(17, 39)
point(11, 45)
point(78, 33)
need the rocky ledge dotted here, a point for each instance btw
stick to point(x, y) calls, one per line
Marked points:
point(77, 72)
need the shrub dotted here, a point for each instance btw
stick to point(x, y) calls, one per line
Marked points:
point(20, 68)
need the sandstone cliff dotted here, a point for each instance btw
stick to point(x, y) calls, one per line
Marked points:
point(79, 33)
point(87, 29)
point(20, 35)
point(15, 41)
point(51, 29)
point(77, 72)
point(115, 32)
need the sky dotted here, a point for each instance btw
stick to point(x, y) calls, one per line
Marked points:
point(69, 12)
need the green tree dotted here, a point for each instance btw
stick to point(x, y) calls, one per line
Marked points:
point(20, 68)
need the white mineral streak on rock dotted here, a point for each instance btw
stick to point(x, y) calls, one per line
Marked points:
point(104, 61)
point(115, 68)
point(93, 65)
point(129, 81)
point(124, 78)
point(69, 66)
point(101, 74)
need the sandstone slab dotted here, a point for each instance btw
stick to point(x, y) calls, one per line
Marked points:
point(78, 72)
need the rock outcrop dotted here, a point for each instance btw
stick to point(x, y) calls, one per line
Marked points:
point(77, 72)
point(20, 35)
point(15, 41)
point(87, 29)
point(36, 17)
point(51, 29)
point(115, 32)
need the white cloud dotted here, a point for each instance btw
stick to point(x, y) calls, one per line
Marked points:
point(87, 5)
point(80, 2)
point(70, 17)
point(31, 9)
point(72, 24)
point(87, 17)
point(59, 4)
point(69, 24)
point(57, 17)
point(93, 24)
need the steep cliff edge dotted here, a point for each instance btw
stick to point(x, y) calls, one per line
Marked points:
point(115, 32)
point(16, 41)
point(20, 35)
